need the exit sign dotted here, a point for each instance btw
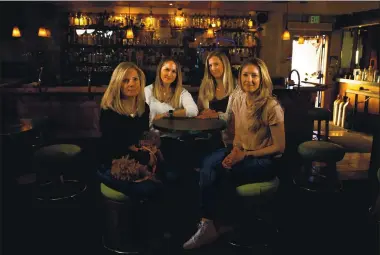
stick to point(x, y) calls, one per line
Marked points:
point(314, 19)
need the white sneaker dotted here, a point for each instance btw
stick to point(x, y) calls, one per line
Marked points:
point(206, 234)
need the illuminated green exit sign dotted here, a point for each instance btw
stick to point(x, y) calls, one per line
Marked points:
point(314, 19)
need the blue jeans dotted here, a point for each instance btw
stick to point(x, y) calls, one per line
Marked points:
point(218, 184)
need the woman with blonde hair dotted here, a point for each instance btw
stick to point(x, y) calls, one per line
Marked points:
point(124, 115)
point(259, 136)
point(216, 94)
point(218, 84)
point(166, 96)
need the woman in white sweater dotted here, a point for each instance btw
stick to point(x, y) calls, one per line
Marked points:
point(166, 96)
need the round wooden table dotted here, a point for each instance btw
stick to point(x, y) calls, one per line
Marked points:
point(189, 124)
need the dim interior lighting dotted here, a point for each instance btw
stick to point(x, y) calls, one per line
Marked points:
point(301, 40)
point(210, 32)
point(250, 23)
point(43, 32)
point(80, 31)
point(16, 32)
point(286, 35)
point(130, 33)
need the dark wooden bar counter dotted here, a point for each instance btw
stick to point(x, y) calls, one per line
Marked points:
point(73, 111)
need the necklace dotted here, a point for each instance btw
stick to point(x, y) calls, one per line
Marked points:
point(130, 110)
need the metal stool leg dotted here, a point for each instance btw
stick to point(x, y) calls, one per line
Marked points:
point(326, 130)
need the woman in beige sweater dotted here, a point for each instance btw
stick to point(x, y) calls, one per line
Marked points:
point(257, 123)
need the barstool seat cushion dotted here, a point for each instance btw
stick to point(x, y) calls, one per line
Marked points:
point(321, 151)
point(258, 189)
point(319, 114)
point(112, 193)
point(58, 152)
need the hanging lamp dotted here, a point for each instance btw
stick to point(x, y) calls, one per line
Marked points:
point(130, 34)
point(210, 30)
point(286, 35)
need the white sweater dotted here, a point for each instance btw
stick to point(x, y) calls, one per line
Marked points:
point(186, 101)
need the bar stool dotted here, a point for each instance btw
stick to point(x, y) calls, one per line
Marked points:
point(53, 161)
point(120, 222)
point(324, 177)
point(320, 114)
point(258, 200)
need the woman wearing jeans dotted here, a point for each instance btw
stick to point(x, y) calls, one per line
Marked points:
point(257, 123)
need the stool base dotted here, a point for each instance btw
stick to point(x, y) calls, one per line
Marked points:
point(127, 249)
point(60, 191)
point(248, 237)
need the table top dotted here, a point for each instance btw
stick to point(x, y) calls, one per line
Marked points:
point(188, 124)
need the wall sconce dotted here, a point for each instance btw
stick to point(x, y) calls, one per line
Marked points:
point(16, 32)
point(43, 32)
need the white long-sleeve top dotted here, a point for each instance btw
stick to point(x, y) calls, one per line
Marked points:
point(186, 102)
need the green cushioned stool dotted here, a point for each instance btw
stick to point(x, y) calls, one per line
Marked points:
point(56, 160)
point(121, 225)
point(323, 175)
point(320, 114)
point(259, 232)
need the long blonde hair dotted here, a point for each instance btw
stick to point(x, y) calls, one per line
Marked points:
point(208, 85)
point(158, 84)
point(262, 95)
point(112, 96)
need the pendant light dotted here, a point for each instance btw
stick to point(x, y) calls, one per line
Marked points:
point(210, 30)
point(130, 34)
point(43, 32)
point(301, 39)
point(16, 32)
point(286, 34)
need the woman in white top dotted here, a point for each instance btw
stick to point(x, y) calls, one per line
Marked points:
point(166, 96)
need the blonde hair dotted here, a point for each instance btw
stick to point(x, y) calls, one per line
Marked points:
point(208, 85)
point(158, 84)
point(262, 96)
point(112, 96)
